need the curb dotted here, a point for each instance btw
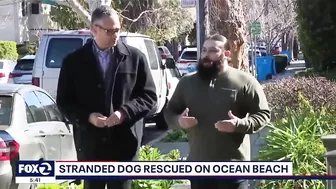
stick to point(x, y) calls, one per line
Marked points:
point(158, 139)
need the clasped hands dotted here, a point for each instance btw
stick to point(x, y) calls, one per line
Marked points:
point(99, 120)
point(229, 125)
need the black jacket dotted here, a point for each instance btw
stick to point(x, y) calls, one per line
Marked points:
point(81, 91)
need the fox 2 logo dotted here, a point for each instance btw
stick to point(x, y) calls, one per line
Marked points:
point(35, 168)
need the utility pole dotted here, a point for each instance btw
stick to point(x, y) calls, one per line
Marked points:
point(200, 26)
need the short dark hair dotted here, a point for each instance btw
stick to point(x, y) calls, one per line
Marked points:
point(102, 12)
point(221, 38)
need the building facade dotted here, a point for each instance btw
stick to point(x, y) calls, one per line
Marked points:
point(24, 20)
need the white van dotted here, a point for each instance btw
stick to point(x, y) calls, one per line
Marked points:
point(55, 46)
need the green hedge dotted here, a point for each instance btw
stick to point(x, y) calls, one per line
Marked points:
point(8, 50)
point(317, 32)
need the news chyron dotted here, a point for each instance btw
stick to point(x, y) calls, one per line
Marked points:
point(35, 172)
point(50, 171)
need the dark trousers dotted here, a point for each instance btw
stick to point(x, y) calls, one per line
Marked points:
point(101, 151)
point(219, 184)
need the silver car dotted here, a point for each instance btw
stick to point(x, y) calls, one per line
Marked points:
point(22, 73)
point(31, 128)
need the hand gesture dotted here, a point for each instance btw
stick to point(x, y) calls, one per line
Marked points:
point(97, 119)
point(185, 121)
point(228, 126)
point(115, 119)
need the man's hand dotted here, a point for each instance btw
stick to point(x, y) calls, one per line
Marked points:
point(227, 126)
point(185, 121)
point(115, 119)
point(97, 119)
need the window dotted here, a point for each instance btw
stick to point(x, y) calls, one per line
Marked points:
point(6, 107)
point(59, 48)
point(35, 8)
point(35, 107)
point(189, 55)
point(161, 51)
point(30, 118)
point(89, 40)
point(152, 54)
point(24, 65)
point(1, 65)
point(50, 106)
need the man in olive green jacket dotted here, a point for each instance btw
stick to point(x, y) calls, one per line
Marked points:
point(218, 105)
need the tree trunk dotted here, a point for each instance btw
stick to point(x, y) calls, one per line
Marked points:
point(227, 18)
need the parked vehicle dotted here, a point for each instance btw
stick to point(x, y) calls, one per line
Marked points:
point(31, 128)
point(187, 62)
point(6, 66)
point(55, 46)
point(173, 75)
point(164, 52)
point(263, 50)
point(23, 70)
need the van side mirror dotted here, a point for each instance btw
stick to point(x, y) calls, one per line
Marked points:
point(170, 63)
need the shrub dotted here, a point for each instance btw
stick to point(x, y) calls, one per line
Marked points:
point(8, 50)
point(297, 138)
point(318, 91)
point(179, 135)
point(310, 72)
point(281, 62)
point(148, 153)
point(317, 32)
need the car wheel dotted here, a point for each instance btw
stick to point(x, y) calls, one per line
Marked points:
point(269, 76)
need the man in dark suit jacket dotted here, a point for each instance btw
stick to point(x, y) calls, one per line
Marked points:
point(106, 89)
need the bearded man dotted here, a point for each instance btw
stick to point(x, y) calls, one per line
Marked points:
point(218, 106)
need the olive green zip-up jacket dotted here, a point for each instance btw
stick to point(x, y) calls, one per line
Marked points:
point(209, 102)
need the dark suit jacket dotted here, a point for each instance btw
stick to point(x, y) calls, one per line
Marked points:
point(81, 91)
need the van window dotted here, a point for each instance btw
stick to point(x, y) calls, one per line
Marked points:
point(152, 54)
point(1, 65)
point(59, 48)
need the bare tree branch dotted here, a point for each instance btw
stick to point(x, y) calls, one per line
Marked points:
point(140, 15)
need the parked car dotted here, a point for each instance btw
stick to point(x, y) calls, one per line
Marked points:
point(187, 62)
point(23, 70)
point(173, 75)
point(31, 128)
point(263, 50)
point(164, 52)
point(6, 66)
point(55, 46)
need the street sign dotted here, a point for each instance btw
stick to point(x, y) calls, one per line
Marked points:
point(255, 28)
point(188, 3)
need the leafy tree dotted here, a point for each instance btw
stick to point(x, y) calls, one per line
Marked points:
point(66, 17)
point(162, 21)
point(170, 22)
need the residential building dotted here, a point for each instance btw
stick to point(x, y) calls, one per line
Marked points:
point(24, 20)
